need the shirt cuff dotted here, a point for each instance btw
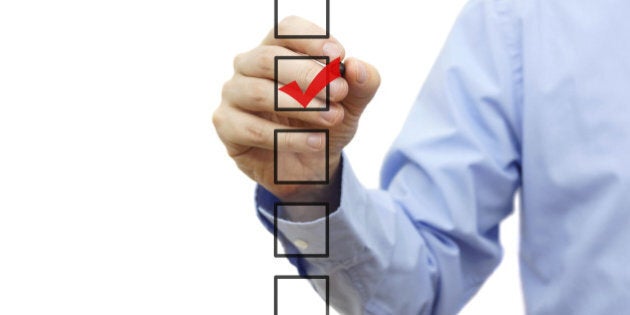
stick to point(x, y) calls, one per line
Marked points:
point(346, 224)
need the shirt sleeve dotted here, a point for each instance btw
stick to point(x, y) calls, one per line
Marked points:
point(425, 242)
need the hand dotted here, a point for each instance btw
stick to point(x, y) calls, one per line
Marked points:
point(245, 121)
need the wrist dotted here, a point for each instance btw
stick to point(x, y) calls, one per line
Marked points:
point(329, 193)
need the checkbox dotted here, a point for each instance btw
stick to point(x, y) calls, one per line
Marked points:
point(284, 102)
point(294, 295)
point(309, 168)
point(298, 246)
point(316, 11)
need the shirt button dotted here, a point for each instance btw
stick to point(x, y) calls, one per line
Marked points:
point(302, 245)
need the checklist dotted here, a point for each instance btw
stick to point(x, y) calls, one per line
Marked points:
point(301, 83)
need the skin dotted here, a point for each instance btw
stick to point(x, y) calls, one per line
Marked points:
point(245, 120)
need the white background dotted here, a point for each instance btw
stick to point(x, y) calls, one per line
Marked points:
point(116, 196)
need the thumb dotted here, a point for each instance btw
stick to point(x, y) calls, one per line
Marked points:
point(363, 81)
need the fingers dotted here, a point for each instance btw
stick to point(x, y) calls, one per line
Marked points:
point(257, 95)
point(363, 82)
point(260, 63)
point(312, 47)
point(247, 117)
point(243, 129)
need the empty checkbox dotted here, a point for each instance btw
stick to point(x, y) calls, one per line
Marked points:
point(310, 240)
point(300, 167)
point(316, 11)
point(294, 295)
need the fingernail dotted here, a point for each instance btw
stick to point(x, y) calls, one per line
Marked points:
point(334, 87)
point(332, 50)
point(329, 115)
point(314, 141)
point(361, 73)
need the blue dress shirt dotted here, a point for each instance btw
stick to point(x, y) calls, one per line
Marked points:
point(531, 95)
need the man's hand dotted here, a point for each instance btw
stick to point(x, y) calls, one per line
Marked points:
point(246, 120)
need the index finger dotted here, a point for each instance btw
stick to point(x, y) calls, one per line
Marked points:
point(312, 47)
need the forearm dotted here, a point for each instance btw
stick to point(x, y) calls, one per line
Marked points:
point(365, 233)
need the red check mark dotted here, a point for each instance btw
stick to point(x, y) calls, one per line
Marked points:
point(325, 76)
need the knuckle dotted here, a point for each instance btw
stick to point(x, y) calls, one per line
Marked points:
point(238, 60)
point(293, 23)
point(256, 134)
point(225, 89)
point(265, 59)
point(287, 23)
point(307, 74)
point(338, 90)
point(217, 118)
point(288, 141)
point(257, 95)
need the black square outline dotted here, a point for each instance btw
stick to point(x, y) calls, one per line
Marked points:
point(275, 158)
point(275, 24)
point(297, 109)
point(275, 289)
point(275, 230)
